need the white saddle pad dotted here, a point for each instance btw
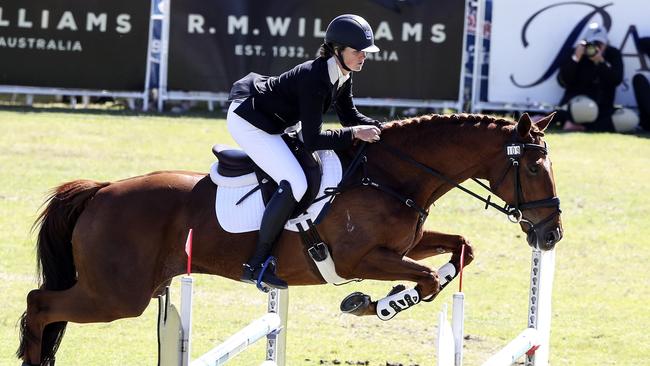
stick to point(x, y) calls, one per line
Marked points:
point(247, 215)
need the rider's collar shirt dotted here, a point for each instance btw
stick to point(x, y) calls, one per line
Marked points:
point(335, 72)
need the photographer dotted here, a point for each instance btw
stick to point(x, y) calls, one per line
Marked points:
point(594, 70)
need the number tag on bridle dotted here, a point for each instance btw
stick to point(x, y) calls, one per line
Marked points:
point(514, 150)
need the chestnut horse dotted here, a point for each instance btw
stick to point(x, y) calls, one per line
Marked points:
point(105, 249)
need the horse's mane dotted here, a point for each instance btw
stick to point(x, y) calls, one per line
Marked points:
point(437, 121)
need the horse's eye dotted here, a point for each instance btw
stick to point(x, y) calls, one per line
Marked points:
point(533, 169)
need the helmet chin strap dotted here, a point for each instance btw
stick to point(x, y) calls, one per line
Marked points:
point(340, 57)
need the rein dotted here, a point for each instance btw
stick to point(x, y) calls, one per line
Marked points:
point(513, 151)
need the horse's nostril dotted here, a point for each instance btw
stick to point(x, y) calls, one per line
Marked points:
point(553, 236)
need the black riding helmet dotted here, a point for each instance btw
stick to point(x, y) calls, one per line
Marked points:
point(351, 31)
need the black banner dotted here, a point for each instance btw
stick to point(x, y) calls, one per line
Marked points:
point(86, 44)
point(214, 43)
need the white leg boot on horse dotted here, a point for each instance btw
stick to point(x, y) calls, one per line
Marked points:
point(399, 298)
point(435, 243)
point(383, 264)
point(279, 209)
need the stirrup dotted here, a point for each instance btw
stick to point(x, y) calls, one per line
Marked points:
point(262, 286)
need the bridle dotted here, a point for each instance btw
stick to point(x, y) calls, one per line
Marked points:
point(514, 151)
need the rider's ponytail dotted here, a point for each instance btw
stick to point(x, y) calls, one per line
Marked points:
point(327, 49)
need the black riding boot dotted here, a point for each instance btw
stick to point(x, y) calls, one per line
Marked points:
point(276, 214)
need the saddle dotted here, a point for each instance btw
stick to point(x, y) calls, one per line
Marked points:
point(244, 189)
point(236, 163)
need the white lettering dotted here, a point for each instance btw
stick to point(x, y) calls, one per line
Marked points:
point(66, 21)
point(2, 42)
point(278, 26)
point(51, 45)
point(123, 23)
point(45, 19)
point(40, 44)
point(93, 20)
point(318, 31)
point(390, 56)
point(195, 23)
point(383, 31)
point(438, 34)
point(22, 21)
point(248, 50)
point(409, 30)
point(77, 46)
point(513, 150)
point(12, 42)
point(301, 27)
point(237, 23)
point(3, 22)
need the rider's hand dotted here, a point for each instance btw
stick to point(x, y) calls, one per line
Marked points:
point(366, 133)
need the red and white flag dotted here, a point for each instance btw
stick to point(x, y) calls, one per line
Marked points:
point(188, 250)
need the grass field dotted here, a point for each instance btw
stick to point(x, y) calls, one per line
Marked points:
point(601, 297)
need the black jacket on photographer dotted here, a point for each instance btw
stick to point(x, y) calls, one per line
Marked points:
point(304, 94)
point(597, 81)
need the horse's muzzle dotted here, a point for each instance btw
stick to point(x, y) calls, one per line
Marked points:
point(544, 238)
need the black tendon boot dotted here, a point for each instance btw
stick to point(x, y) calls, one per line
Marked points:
point(276, 214)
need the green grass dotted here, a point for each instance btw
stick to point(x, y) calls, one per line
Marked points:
point(600, 314)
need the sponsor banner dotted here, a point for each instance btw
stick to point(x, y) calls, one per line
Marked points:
point(528, 37)
point(81, 44)
point(214, 43)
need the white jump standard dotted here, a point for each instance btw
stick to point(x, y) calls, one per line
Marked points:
point(174, 332)
point(533, 341)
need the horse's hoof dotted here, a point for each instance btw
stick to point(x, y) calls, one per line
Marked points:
point(355, 303)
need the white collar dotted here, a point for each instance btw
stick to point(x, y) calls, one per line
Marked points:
point(335, 73)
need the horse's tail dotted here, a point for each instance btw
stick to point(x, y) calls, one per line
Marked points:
point(54, 246)
point(55, 265)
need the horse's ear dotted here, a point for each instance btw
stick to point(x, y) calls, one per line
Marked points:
point(523, 125)
point(543, 123)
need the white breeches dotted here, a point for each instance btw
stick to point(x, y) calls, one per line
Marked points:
point(269, 152)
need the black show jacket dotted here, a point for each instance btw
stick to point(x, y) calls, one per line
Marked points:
point(303, 93)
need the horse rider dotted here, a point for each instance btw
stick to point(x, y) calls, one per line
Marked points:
point(263, 107)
